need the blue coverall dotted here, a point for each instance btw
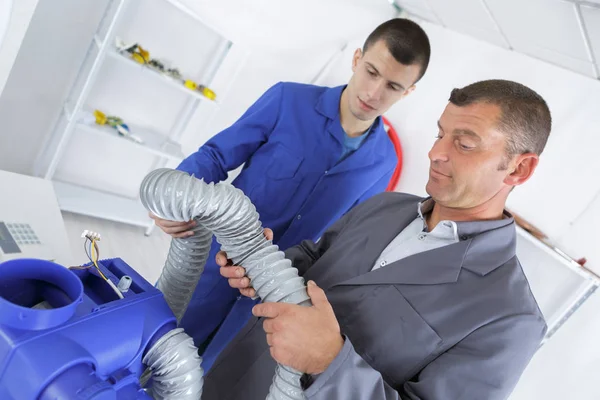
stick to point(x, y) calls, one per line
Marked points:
point(291, 142)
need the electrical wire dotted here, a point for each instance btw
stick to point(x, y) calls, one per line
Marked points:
point(115, 288)
point(92, 251)
point(95, 259)
point(79, 267)
point(110, 283)
point(87, 253)
point(85, 248)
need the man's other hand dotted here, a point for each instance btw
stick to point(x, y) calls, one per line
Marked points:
point(235, 274)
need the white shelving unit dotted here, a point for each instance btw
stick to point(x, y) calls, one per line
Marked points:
point(162, 144)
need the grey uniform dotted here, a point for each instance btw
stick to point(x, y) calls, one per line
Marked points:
point(455, 322)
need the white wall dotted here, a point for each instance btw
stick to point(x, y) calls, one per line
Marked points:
point(567, 366)
point(11, 36)
point(285, 41)
point(50, 54)
point(5, 11)
point(561, 198)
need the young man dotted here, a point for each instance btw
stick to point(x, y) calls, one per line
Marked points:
point(424, 298)
point(311, 153)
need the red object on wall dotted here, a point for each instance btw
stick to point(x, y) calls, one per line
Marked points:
point(398, 148)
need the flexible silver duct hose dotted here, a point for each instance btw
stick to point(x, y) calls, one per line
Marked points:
point(182, 270)
point(226, 212)
point(175, 366)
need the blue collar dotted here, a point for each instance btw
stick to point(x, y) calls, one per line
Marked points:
point(329, 102)
point(328, 105)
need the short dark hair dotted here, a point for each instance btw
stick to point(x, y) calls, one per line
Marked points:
point(525, 117)
point(406, 40)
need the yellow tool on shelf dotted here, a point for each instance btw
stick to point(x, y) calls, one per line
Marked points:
point(208, 93)
point(100, 117)
point(190, 84)
point(140, 55)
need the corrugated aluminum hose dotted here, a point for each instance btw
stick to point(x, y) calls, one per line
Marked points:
point(226, 212)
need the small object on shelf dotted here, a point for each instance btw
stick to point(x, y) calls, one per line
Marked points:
point(137, 53)
point(163, 67)
point(190, 84)
point(122, 129)
point(157, 65)
point(208, 93)
point(120, 44)
point(135, 138)
point(173, 73)
point(100, 117)
point(111, 120)
point(140, 55)
point(115, 122)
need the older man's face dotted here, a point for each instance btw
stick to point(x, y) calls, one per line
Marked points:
point(468, 159)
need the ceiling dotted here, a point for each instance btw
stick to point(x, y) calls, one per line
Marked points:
point(562, 32)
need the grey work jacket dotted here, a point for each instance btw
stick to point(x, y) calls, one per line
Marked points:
point(454, 323)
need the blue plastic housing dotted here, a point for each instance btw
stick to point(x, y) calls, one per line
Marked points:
point(65, 334)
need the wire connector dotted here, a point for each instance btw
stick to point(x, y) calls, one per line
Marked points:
point(90, 235)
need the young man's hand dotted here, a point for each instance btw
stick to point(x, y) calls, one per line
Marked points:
point(235, 274)
point(174, 228)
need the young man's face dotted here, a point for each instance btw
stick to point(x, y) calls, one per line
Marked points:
point(378, 81)
point(468, 162)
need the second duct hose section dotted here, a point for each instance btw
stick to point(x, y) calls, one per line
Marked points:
point(226, 212)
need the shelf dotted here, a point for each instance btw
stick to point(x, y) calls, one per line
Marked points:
point(113, 53)
point(153, 142)
point(94, 203)
point(559, 256)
